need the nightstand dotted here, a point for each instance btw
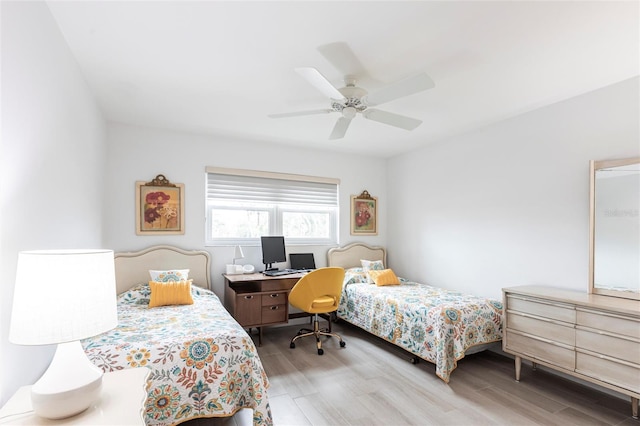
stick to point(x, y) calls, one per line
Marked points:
point(121, 403)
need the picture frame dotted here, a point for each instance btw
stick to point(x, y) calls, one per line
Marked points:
point(364, 214)
point(159, 207)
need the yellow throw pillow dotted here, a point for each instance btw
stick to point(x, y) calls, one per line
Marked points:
point(170, 293)
point(384, 277)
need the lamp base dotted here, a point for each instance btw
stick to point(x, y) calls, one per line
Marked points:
point(69, 386)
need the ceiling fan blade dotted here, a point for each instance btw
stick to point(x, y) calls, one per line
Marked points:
point(402, 88)
point(391, 119)
point(300, 113)
point(320, 82)
point(342, 58)
point(340, 129)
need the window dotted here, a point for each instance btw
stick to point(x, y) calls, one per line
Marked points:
point(243, 205)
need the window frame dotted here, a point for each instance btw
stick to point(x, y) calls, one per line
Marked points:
point(274, 209)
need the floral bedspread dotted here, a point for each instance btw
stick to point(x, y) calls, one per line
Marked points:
point(435, 324)
point(203, 363)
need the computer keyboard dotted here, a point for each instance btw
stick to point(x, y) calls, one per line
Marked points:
point(281, 272)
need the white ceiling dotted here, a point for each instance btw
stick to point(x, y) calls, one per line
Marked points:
point(216, 67)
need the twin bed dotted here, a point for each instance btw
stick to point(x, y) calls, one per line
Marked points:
point(434, 324)
point(202, 362)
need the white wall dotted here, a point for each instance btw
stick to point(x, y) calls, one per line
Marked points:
point(508, 205)
point(53, 139)
point(140, 154)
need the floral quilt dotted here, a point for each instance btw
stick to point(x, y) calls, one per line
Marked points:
point(435, 324)
point(202, 362)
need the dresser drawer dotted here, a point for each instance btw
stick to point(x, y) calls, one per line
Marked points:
point(609, 371)
point(614, 323)
point(626, 350)
point(541, 327)
point(537, 349)
point(540, 308)
point(274, 299)
point(274, 314)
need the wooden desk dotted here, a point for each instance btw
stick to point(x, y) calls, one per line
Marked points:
point(257, 300)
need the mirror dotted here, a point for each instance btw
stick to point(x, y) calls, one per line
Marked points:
point(614, 252)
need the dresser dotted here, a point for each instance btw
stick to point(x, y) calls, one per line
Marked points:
point(121, 402)
point(591, 337)
point(257, 300)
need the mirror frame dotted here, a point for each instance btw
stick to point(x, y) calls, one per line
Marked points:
point(595, 165)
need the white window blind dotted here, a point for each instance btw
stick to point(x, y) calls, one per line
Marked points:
point(270, 190)
point(242, 205)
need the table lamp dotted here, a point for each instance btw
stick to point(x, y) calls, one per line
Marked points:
point(61, 297)
point(238, 254)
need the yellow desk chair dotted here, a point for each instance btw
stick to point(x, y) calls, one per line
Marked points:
point(318, 292)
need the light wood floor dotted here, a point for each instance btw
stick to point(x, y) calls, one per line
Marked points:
point(371, 382)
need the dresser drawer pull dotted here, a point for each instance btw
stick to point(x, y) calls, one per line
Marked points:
point(549, 320)
point(542, 301)
point(248, 297)
point(274, 295)
point(542, 339)
point(606, 358)
point(606, 333)
point(607, 314)
point(274, 308)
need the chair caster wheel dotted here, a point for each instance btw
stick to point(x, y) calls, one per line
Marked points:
point(320, 351)
point(292, 345)
point(342, 344)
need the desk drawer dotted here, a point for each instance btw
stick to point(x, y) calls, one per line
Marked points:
point(274, 314)
point(541, 308)
point(247, 311)
point(541, 327)
point(274, 299)
point(279, 284)
point(609, 371)
point(537, 349)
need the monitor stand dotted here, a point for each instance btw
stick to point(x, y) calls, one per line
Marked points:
point(269, 267)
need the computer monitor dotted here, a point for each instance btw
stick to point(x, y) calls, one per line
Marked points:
point(302, 261)
point(273, 251)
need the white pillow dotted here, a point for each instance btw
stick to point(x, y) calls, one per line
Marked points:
point(355, 276)
point(163, 276)
point(371, 265)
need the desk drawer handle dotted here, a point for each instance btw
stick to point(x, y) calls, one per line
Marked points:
point(273, 308)
point(248, 297)
point(274, 295)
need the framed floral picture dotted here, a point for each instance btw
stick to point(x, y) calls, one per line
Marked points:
point(159, 207)
point(364, 214)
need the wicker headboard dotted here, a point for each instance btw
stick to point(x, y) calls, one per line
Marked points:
point(350, 255)
point(132, 268)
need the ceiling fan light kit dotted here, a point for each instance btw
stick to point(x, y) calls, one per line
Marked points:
point(351, 100)
point(349, 112)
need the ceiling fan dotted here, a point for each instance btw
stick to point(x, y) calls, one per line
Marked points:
point(351, 99)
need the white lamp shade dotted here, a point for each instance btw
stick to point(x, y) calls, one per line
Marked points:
point(62, 296)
